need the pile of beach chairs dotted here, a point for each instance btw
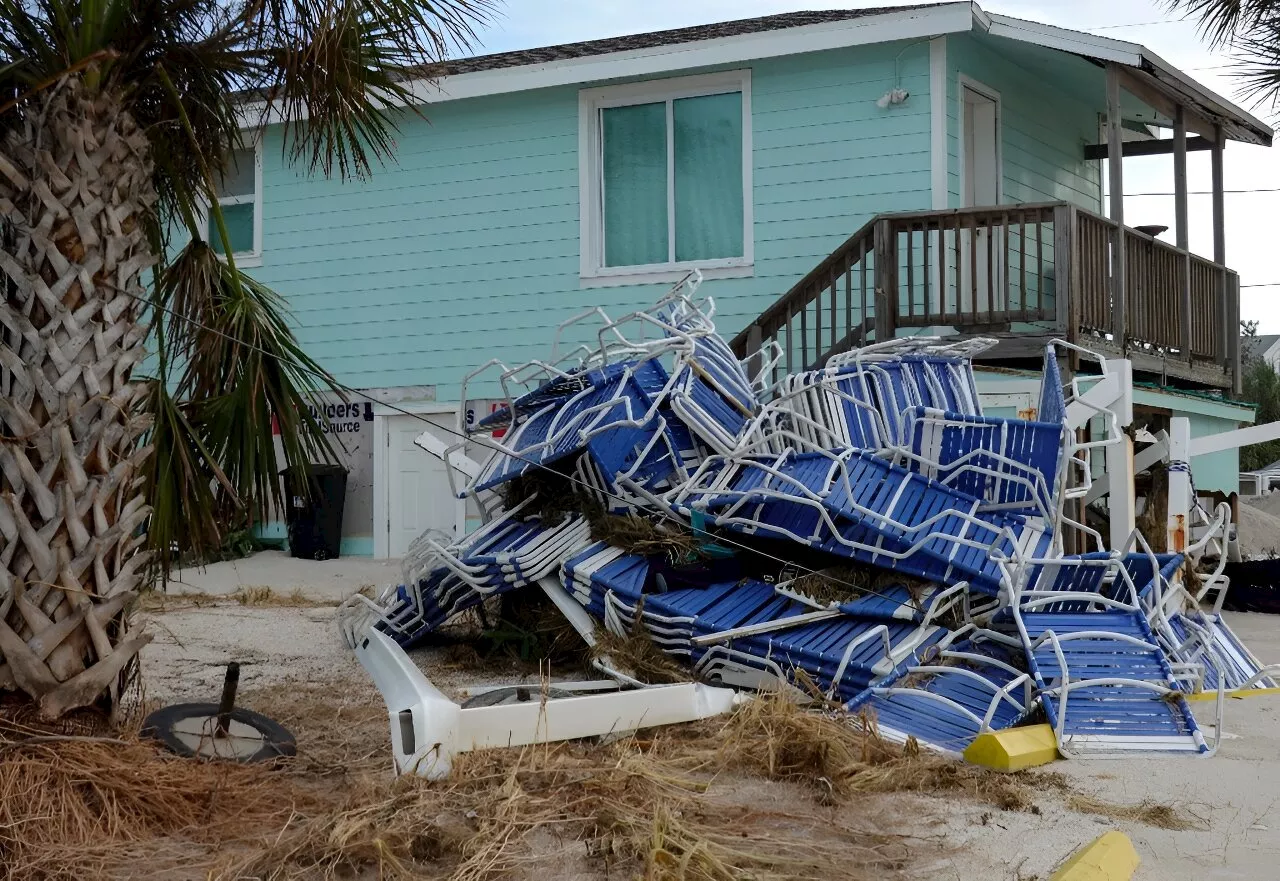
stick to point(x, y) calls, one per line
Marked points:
point(882, 463)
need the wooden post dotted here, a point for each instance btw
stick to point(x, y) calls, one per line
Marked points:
point(1115, 174)
point(1233, 341)
point(886, 281)
point(1064, 229)
point(1182, 232)
point(1220, 247)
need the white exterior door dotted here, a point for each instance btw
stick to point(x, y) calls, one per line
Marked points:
point(981, 148)
point(417, 495)
point(980, 186)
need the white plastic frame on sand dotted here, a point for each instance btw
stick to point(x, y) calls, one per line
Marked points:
point(428, 730)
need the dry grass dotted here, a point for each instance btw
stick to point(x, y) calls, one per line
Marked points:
point(773, 792)
point(636, 655)
point(1147, 813)
point(840, 757)
point(123, 809)
point(88, 809)
point(265, 596)
point(554, 495)
point(252, 596)
point(840, 584)
point(639, 535)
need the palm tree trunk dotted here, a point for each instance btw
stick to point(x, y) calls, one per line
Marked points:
point(75, 191)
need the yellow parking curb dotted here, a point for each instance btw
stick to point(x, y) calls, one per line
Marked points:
point(1110, 857)
point(1014, 748)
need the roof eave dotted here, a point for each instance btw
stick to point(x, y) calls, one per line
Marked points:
point(903, 24)
point(1240, 124)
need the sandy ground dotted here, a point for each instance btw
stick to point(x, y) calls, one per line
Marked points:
point(333, 580)
point(1235, 796)
point(1259, 528)
point(210, 616)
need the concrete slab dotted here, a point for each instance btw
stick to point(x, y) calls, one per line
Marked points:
point(327, 580)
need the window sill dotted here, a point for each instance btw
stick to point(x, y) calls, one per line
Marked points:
point(610, 279)
point(247, 260)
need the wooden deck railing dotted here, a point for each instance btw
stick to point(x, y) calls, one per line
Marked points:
point(1007, 270)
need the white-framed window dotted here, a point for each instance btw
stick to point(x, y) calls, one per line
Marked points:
point(240, 197)
point(665, 179)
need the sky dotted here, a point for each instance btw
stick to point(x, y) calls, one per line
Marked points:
point(1253, 248)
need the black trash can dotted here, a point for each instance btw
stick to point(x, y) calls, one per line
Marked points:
point(314, 518)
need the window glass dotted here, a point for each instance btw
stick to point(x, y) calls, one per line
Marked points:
point(635, 185)
point(239, 221)
point(239, 177)
point(708, 174)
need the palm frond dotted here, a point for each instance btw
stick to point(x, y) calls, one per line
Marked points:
point(1259, 68)
point(1223, 22)
point(180, 476)
point(243, 373)
point(334, 69)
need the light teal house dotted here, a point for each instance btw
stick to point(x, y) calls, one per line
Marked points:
point(837, 177)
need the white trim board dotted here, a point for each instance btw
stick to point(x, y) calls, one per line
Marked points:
point(938, 176)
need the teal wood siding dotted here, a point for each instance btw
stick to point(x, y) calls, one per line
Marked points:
point(467, 247)
point(1044, 129)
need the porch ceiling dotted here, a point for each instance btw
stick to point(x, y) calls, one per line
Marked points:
point(1081, 78)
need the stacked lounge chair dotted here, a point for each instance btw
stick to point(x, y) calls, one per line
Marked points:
point(881, 459)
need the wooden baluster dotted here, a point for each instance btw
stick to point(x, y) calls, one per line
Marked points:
point(886, 282)
point(1007, 304)
point(1039, 259)
point(911, 270)
point(944, 282)
point(1065, 282)
point(835, 296)
point(848, 299)
point(991, 266)
point(817, 325)
point(973, 269)
point(1022, 256)
point(959, 270)
point(927, 268)
point(804, 333)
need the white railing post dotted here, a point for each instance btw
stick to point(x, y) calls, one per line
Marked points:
point(1180, 501)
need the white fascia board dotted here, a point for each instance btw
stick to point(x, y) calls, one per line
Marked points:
point(1207, 96)
point(981, 19)
point(1065, 40)
point(908, 24)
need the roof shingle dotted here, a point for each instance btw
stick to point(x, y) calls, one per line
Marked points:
point(653, 39)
